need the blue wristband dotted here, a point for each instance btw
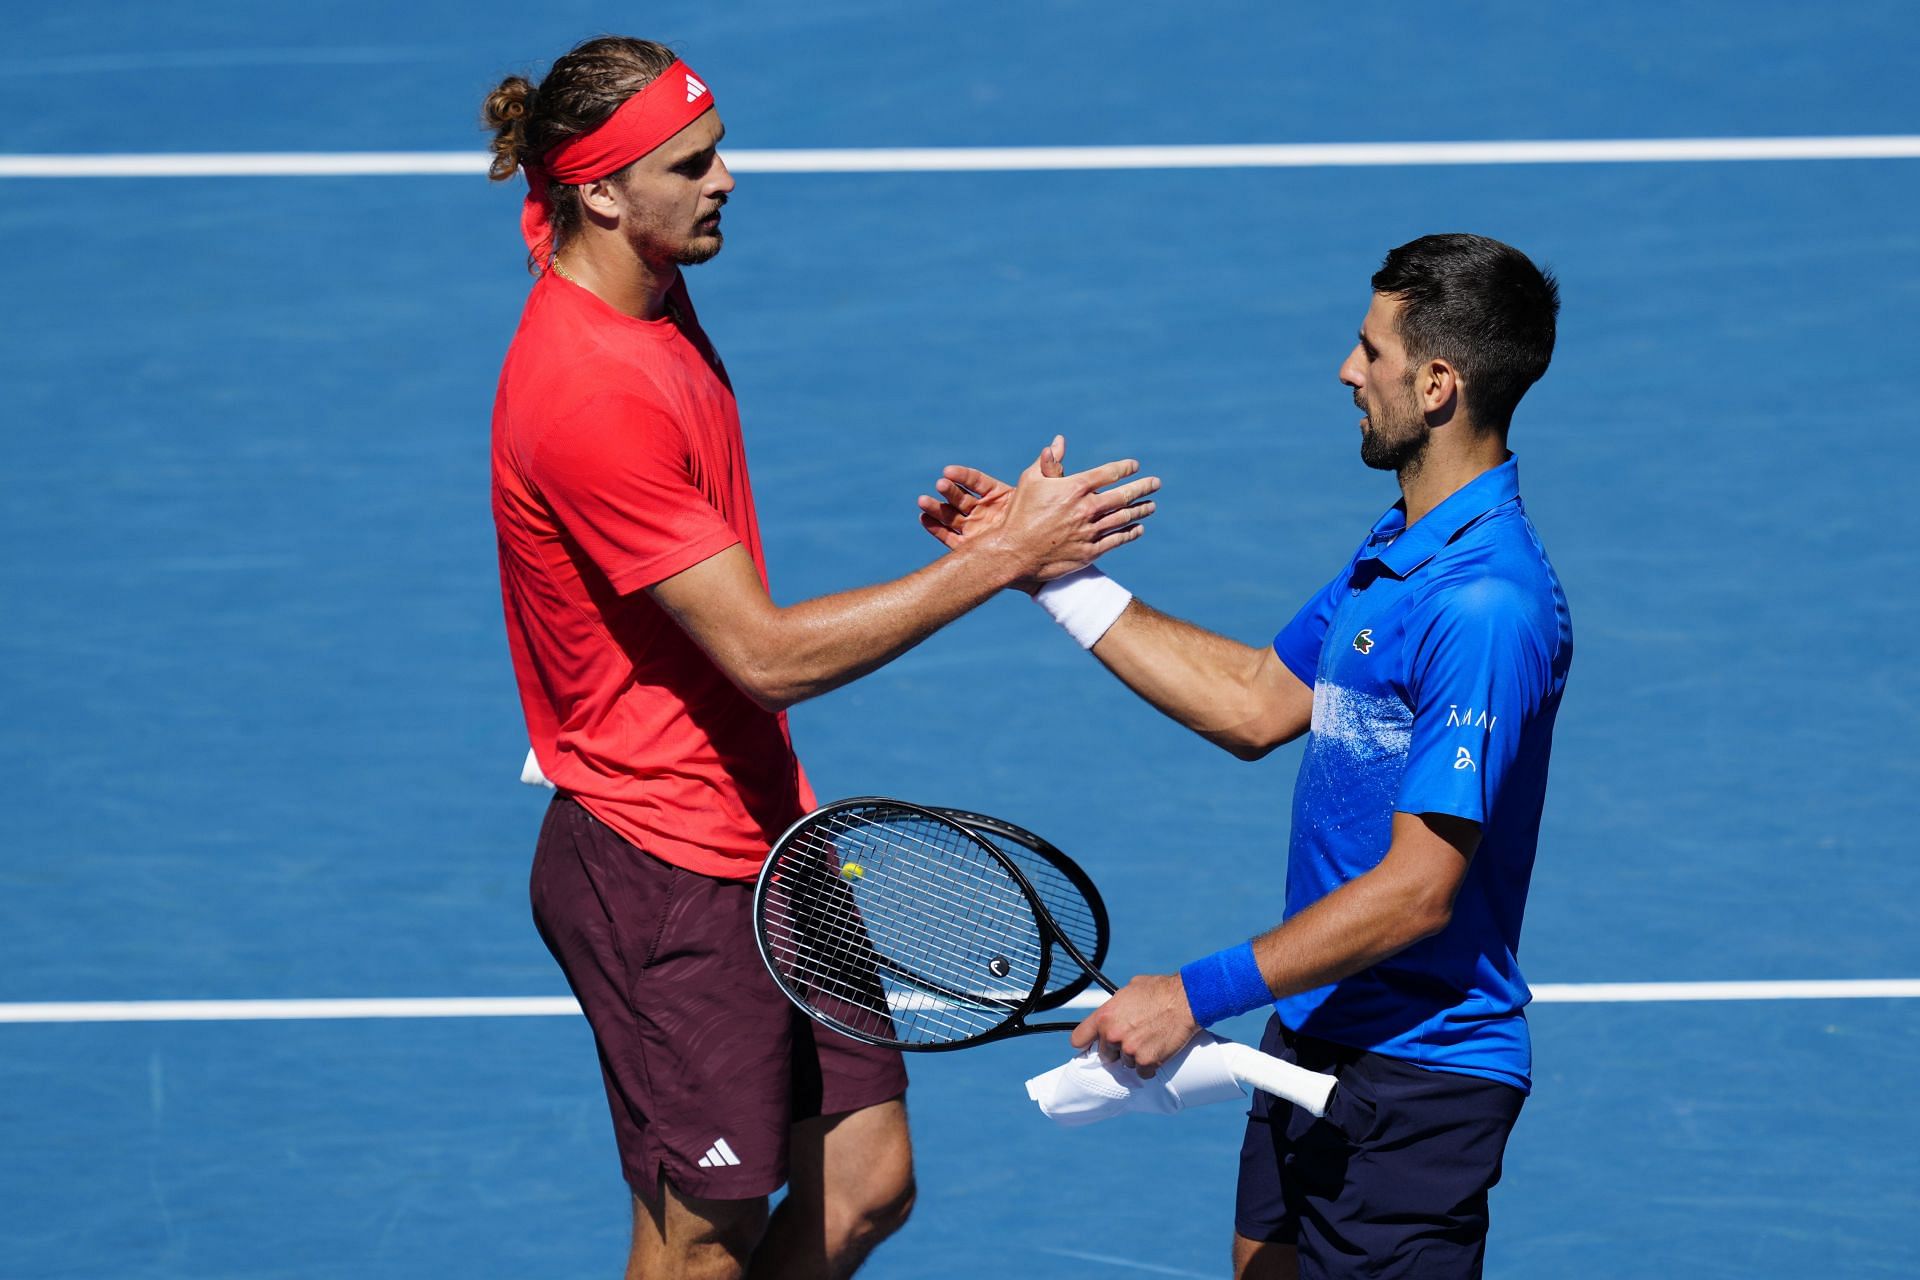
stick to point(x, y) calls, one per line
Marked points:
point(1225, 983)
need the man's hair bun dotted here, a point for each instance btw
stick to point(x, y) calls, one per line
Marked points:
point(506, 112)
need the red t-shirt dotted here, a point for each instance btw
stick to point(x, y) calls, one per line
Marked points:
point(617, 463)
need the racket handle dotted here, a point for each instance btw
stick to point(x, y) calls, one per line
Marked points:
point(1303, 1088)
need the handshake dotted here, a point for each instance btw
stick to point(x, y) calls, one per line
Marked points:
point(1046, 526)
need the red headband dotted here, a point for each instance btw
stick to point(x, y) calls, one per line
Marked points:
point(672, 101)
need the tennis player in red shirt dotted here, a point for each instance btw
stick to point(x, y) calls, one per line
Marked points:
point(654, 670)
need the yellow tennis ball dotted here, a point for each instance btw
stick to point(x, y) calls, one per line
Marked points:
point(852, 870)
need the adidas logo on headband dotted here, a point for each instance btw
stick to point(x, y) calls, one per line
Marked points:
point(694, 87)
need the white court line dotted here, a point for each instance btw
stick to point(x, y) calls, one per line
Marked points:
point(1660, 992)
point(1309, 155)
point(282, 1010)
point(554, 1006)
point(1131, 1264)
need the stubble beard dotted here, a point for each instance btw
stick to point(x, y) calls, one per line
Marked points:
point(702, 245)
point(701, 248)
point(1396, 443)
point(659, 250)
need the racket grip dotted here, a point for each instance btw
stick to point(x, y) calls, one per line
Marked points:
point(1303, 1088)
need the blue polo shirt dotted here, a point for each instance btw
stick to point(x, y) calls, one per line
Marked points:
point(1437, 659)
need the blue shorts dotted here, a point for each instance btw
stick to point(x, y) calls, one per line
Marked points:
point(1391, 1182)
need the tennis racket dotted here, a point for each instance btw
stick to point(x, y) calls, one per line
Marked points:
point(916, 928)
point(1064, 890)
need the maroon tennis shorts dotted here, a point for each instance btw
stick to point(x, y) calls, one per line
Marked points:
point(707, 1065)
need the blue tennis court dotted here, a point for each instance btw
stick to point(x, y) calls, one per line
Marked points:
point(261, 736)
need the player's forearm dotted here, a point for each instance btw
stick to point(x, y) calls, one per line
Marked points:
point(1200, 679)
point(1356, 926)
point(814, 647)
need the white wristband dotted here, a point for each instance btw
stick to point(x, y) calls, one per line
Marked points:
point(1086, 602)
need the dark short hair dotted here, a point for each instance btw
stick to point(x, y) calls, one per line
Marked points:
point(1481, 306)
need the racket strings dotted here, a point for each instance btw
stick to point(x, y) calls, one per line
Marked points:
point(1063, 899)
point(839, 968)
point(902, 928)
point(905, 935)
point(910, 934)
point(1060, 896)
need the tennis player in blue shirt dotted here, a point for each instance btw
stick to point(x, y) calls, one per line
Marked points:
point(1427, 675)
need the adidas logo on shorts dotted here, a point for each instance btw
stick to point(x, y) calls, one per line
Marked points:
point(718, 1155)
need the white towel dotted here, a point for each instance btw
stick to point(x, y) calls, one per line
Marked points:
point(1086, 1089)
